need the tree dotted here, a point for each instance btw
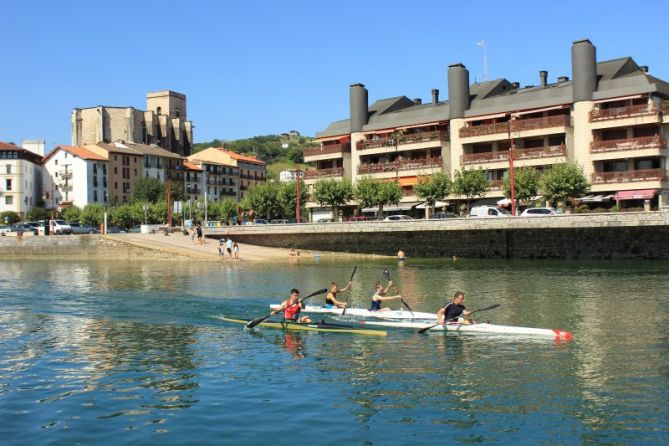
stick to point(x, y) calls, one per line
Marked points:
point(158, 212)
point(262, 198)
point(287, 198)
point(332, 193)
point(148, 190)
point(37, 213)
point(366, 192)
point(526, 182)
point(563, 181)
point(9, 217)
point(433, 188)
point(228, 209)
point(72, 214)
point(390, 192)
point(92, 215)
point(472, 183)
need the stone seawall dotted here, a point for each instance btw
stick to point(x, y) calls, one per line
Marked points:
point(580, 236)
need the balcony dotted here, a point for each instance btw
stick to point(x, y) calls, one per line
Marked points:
point(627, 111)
point(420, 163)
point(426, 136)
point(327, 149)
point(376, 142)
point(617, 145)
point(540, 123)
point(485, 129)
point(321, 173)
point(65, 188)
point(519, 154)
point(627, 176)
point(496, 185)
point(65, 174)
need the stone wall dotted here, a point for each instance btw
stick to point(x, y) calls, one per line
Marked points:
point(601, 236)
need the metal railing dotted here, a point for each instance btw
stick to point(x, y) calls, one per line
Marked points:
point(519, 154)
point(540, 123)
point(626, 176)
point(320, 173)
point(496, 184)
point(638, 143)
point(423, 136)
point(326, 149)
point(419, 163)
point(627, 111)
point(65, 174)
point(484, 129)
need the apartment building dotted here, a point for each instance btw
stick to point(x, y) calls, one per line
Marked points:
point(124, 167)
point(157, 162)
point(74, 176)
point(20, 179)
point(215, 180)
point(249, 169)
point(611, 118)
point(164, 123)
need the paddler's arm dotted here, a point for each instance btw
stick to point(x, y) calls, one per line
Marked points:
point(390, 283)
point(346, 288)
point(440, 315)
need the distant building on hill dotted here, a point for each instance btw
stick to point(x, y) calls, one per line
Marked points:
point(287, 175)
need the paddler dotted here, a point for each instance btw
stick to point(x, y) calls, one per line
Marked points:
point(454, 311)
point(331, 298)
point(380, 296)
point(292, 307)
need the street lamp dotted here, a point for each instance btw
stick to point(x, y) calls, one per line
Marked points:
point(146, 209)
point(512, 182)
point(298, 174)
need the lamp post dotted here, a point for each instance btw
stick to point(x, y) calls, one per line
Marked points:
point(511, 168)
point(298, 174)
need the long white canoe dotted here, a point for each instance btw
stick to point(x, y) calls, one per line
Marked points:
point(361, 312)
point(483, 328)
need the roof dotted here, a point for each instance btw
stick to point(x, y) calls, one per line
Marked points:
point(246, 158)
point(79, 152)
point(190, 166)
point(118, 148)
point(152, 150)
point(8, 146)
point(26, 154)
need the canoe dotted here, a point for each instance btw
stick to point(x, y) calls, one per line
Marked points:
point(316, 326)
point(482, 328)
point(361, 312)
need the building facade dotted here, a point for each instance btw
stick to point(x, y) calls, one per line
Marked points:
point(74, 176)
point(20, 179)
point(124, 167)
point(164, 123)
point(249, 170)
point(611, 119)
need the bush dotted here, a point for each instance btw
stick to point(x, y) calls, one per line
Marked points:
point(37, 213)
point(9, 217)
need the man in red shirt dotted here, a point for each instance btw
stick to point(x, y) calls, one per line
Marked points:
point(292, 307)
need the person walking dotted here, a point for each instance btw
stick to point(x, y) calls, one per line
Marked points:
point(200, 238)
point(235, 250)
point(228, 247)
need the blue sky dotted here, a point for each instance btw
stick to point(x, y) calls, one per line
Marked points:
point(265, 67)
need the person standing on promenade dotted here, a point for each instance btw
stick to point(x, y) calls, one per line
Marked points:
point(452, 311)
point(228, 247)
point(200, 238)
point(291, 308)
point(331, 298)
point(235, 250)
point(380, 296)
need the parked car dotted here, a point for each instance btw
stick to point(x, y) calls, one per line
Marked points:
point(4, 230)
point(279, 221)
point(325, 220)
point(78, 228)
point(439, 215)
point(260, 221)
point(135, 229)
point(397, 218)
point(538, 212)
point(24, 227)
point(489, 211)
point(60, 227)
point(116, 230)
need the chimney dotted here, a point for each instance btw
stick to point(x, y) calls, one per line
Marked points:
point(458, 90)
point(359, 107)
point(583, 70)
point(543, 75)
point(435, 96)
point(418, 101)
point(562, 79)
point(644, 68)
point(515, 85)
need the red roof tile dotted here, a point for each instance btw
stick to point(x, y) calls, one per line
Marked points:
point(191, 166)
point(238, 157)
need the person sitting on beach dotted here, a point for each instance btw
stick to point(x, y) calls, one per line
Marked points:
point(380, 296)
point(452, 311)
point(331, 298)
point(292, 307)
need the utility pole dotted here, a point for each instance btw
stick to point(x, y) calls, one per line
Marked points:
point(169, 204)
point(485, 59)
point(297, 193)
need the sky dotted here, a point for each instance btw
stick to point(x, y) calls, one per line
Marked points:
point(267, 67)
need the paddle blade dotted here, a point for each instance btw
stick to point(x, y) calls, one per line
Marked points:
point(424, 329)
point(355, 268)
point(321, 291)
point(386, 274)
point(491, 307)
point(252, 323)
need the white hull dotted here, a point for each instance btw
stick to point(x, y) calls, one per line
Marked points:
point(483, 328)
point(361, 312)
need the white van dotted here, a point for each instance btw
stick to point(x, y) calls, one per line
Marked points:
point(489, 211)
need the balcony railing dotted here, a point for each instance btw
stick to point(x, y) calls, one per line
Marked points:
point(541, 123)
point(617, 145)
point(374, 143)
point(626, 176)
point(67, 188)
point(420, 163)
point(485, 129)
point(519, 154)
point(496, 184)
point(65, 174)
point(320, 173)
point(327, 149)
point(622, 112)
point(425, 136)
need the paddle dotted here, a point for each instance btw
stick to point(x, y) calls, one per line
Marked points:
point(348, 292)
point(387, 275)
point(252, 323)
point(424, 329)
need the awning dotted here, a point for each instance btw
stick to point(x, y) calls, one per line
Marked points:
point(405, 206)
point(490, 116)
point(425, 124)
point(333, 138)
point(539, 110)
point(595, 198)
point(408, 181)
point(437, 205)
point(641, 194)
point(621, 98)
point(504, 202)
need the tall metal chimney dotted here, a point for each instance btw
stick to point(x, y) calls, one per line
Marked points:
point(543, 75)
point(583, 70)
point(435, 96)
point(359, 107)
point(458, 90)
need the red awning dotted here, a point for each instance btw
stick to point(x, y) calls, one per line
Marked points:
point(643, 194)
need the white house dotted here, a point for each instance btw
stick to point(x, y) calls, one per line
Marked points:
point(287, 175)
point(74, 176)
point(20, 179)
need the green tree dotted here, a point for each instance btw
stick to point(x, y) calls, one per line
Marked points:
point(122, 215)
point(263, 199)
point(472, 183)
point(287, 198)
point(9, 217)
point(333, 193)
point(158, 212)
point(433, 188)
point(390, 192)
point(228, 209)
point(37, 213)
point(526, 182)
point(148, 190)
point(72, 214)
point(563, 181)
point(366, 191)
point(92, 215)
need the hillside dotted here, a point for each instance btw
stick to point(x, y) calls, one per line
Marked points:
point(268, 148)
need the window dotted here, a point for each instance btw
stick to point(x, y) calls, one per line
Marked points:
point(116, 185)
point(95, 196)
point(115, 170)
point(9, 199)
point(8, 185)
point(55, 162)
point(9, 168)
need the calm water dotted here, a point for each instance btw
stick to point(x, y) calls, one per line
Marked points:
point(118, 353)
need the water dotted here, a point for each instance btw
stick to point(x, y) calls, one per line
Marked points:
point(131, 353)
